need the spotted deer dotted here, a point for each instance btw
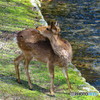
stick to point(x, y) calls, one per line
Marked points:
point(33, 44)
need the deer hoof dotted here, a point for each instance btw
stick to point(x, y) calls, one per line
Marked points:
point(52, 93)
point(31, 89)
point(18, 81)
point(71, 88)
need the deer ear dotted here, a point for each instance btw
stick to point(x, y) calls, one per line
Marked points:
point(56, 24)
point(52, 25)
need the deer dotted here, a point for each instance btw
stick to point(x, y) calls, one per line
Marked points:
point(33, 44)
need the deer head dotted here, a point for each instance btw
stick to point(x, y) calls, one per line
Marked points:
point(48, 31)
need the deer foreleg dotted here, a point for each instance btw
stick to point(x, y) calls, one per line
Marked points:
point(16, 63)
point(27, 61)
point(65, 71)
point(51, 71)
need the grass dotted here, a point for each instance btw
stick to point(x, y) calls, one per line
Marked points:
point(39, 76)
point(14, 16)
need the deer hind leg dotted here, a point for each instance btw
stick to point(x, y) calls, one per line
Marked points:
point(27, 61)
point(16, 63)
point(65, 71)
point(51, 71)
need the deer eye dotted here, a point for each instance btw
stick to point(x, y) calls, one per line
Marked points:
point(37, 27)
point(48, 29)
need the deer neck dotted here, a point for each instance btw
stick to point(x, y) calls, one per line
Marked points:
point(58, 47)
point(56, 44)
point(55, 41)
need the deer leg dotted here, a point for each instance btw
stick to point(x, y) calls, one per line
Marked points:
point(27, 61)
point(65, 71)
point(51, 71)
point(16, 63)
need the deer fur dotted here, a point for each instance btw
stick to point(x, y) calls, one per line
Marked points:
point(32, 44)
